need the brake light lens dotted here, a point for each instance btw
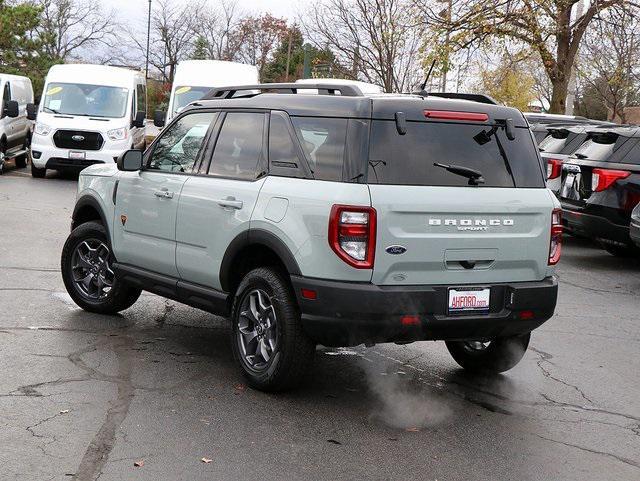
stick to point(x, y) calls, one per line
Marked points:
point(452, 115)
point(555, 244)
point(601, 179)
point(352, 234)
point(554, 168)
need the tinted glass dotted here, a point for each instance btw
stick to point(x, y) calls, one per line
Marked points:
point(239, 146)
point(554, 142)
point(540, 135)
point(6, 96)
point(85, 99)
point(323, 142)
point(282, 151)
point(408, 159)
point(177, 149)
point(633, 157)
point(602, 147)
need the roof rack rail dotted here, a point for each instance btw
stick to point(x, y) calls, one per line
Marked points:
point(291, 88)
point(484, 99)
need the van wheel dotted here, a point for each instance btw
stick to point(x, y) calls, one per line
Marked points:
point(267, 337)
point(87, 272)
point(494, 356)
point(37, 172)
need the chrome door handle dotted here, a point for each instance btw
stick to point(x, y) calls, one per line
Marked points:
point(230, 203)
point(163, 194)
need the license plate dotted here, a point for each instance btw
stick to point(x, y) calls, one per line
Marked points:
point(77, 155)
point(469, 299)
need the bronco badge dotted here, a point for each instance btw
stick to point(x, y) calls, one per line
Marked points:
point(123, 219)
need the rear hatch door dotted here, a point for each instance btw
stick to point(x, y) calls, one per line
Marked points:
point(433, 228)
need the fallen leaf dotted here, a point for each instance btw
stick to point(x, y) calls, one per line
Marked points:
point(64, 411)
point(239, 387)
point(139, 464)
point(412, 430)
point(206, 460)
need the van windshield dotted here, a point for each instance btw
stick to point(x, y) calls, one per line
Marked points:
point(184, 95)
point(86, 99)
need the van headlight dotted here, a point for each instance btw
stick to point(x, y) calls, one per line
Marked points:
point(42, 129)
point(117, 134)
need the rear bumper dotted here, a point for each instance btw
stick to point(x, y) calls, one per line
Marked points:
point(347, 314)
point(597, 227)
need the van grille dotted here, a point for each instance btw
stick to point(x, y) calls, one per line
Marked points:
point(77, 139)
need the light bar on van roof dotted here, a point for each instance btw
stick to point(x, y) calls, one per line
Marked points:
point(453, 115)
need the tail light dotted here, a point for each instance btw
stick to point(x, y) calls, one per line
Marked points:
point(352, 234)
point(554, 168)
point(601, 179)
point(555, 244)
point(453, 115)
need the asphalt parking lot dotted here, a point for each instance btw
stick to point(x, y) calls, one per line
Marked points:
point(84, 396)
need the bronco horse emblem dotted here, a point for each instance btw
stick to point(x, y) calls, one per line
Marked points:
point(123, 219)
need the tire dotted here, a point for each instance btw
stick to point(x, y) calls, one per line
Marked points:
point(290, 351)
point(37, 172)
point(499, 355)
point(3, 158)
point(622, 251)
point(21, 161)
point(86, 252)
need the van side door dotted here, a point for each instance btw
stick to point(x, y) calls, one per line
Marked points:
point(216, 207)
point(144, 225)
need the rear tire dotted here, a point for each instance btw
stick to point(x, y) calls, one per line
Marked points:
point(86, 264)
point(496, 356)
point(37, 172)
point(622, 251)
point(265, 311)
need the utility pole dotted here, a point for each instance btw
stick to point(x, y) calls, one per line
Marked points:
point(146, 74)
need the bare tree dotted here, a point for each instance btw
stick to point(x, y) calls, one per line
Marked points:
point(549, 27)
point(379, 39)
point(610, 60)
point(222, 31)
point(259, 37)
point(69, 28)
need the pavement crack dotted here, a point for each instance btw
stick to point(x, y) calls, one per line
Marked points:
point(588, 408)
point(627, 461)
point(545, 357)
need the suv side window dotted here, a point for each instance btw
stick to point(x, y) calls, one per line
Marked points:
point(239, 148)
point(178, 147)
point(284, 155)
point(323, 141)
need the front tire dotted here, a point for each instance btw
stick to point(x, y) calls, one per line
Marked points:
point(37, 172)
point(267, 339)
point(495, 356)
point(87, 272)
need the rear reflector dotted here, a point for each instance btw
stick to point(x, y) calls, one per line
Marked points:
point(526, 315)
point(309, 294)
point(352, 234)
point(410, 320)
point(601, 179)
point(554, 168)
point(555, 243)
point(453, 115)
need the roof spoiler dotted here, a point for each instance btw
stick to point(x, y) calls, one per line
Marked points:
point(286, 88)
point(483, 99)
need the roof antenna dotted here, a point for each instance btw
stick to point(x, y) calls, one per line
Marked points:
point(424, 84)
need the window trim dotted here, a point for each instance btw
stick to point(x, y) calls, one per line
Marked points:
point(303, 165)
point(196, 165)
point(263, 162)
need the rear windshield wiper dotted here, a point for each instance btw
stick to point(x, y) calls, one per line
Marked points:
point(474, 176)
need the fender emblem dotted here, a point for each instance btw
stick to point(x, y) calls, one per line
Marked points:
point(123, 219)
point(396, 250)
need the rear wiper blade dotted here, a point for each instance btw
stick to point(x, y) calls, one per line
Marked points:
point(474, 176)
point(580, 156)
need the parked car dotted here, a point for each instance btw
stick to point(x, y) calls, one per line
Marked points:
point(601, 186)
point(89, 114)
point(545, 118)
point(15, 129)
point(332, 219)
point(634, 227)
point(195, 78)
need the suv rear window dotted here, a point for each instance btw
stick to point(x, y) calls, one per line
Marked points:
point(408, 159)
point(603, 147)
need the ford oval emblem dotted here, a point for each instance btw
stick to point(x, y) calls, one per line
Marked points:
point(78, 138)
point(396, 250)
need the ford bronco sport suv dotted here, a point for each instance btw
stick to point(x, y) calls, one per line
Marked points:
point(334, 218)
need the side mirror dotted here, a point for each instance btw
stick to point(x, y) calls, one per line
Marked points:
point(158, 118)
point(139, 120)
point(10, 109)
point(32, 111)
point(130, 161)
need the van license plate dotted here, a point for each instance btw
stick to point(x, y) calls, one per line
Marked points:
point(472, 299)
point(77, 155)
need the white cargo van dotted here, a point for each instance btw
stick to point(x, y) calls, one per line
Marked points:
point(88, 114)
point(364, 87)
point(15, 129)
point(194, 78)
